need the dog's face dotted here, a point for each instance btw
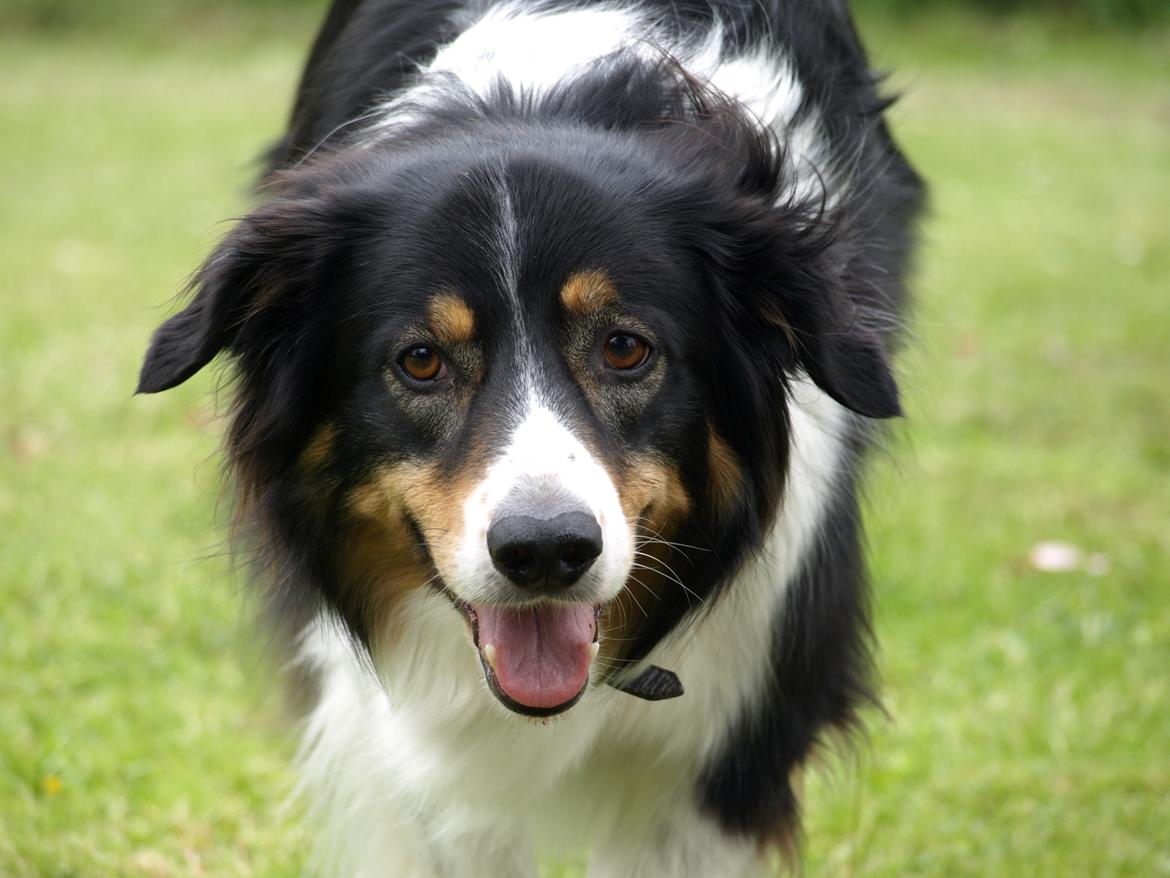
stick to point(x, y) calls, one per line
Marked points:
point(533, 373)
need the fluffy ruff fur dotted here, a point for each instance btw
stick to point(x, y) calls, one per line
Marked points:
point(560, 334)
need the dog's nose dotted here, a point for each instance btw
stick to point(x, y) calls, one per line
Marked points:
point(544, 554)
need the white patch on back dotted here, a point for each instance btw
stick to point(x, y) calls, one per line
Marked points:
point(534, 51)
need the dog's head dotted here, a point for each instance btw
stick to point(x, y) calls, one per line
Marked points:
point(536, 365)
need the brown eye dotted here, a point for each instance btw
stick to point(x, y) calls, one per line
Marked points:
point(422, 364)
point(624, 351)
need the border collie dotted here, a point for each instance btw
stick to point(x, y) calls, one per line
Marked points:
point(559, 336)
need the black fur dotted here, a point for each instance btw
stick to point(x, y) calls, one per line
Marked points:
point(820, 677)
point(636, 168)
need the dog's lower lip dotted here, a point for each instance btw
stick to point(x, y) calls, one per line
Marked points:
point(489, 674)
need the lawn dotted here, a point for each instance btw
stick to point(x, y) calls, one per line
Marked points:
point(1027, 729)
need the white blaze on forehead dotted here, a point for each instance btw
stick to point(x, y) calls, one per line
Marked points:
point(508, 253)
point(544, 449)
point(543, 459)
point(543, 462)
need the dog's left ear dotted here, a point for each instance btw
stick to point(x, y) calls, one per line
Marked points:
point(854, 369)
point(845, 358)
point(789, 290)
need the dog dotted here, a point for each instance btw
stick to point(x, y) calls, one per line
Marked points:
point(560, 333)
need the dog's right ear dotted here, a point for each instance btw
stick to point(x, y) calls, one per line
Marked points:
point(252, 268)
point(187, 342)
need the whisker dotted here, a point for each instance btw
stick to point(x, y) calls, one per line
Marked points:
point(668, 573)
point(649, 590)
point(656, 537)
point(634, 598)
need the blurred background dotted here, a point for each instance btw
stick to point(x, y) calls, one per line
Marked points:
point(1019, 527)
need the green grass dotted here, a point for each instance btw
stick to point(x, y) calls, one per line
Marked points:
point(1028, 731)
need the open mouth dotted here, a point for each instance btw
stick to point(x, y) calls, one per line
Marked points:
point(536, 657)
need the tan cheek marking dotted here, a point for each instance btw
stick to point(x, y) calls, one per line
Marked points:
point(451, 319)
point(587, 292)
point(724, 476)
point(382, 557)
point(652, 495)
point(653, 489)
point(380, 564)
point(319, 449)
point(436, 503)
point(417, 491)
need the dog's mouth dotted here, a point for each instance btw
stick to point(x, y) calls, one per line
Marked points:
point(536, 658)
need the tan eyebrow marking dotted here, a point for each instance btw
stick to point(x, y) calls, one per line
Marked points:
point(450, 319)
point(586, 292)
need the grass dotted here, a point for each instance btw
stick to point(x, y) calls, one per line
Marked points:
point(1027, 731)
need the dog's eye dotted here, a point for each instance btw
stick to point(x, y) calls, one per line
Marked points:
point(422, 364)
point(624, 351)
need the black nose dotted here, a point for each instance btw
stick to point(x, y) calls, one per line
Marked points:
point(544, 554)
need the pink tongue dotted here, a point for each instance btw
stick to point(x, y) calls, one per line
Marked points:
point(542, 652)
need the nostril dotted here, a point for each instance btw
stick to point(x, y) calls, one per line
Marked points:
point(581, 551)
point(519, 562)
point(521, 556)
